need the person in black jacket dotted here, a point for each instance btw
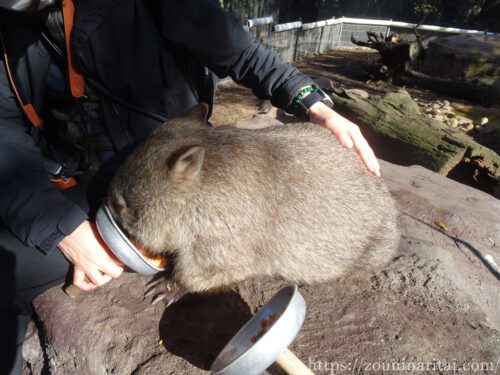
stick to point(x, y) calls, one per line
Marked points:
point(142, 62)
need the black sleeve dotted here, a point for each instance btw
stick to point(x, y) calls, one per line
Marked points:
point(217, 38)
point(30, 206)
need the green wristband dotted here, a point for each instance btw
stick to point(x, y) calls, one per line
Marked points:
point(302, 92)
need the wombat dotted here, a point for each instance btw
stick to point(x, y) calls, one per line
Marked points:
point(223, 204)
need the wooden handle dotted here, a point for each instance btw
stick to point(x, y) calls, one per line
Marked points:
point(292, 365)
point(72, 291)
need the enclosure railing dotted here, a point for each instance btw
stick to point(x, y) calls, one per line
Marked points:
point(296, 40)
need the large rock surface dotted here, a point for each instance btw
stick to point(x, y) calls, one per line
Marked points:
point(473, 58)
point(437, 303)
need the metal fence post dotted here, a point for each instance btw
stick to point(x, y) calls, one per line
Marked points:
point(340, 32)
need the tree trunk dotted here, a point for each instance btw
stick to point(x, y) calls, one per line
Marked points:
point(392, 54)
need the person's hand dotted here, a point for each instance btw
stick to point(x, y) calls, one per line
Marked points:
point(93, 264)
point(346, 132)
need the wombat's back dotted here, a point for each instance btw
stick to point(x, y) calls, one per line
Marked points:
point(286, 201)
point(228, 203)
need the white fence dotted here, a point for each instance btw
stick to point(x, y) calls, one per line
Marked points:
point(296, 40)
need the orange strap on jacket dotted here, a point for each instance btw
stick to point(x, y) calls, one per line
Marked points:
point(63, 183)
point(28, 108)
point(75, 78)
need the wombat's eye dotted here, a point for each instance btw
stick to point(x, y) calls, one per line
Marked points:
point(118, 204)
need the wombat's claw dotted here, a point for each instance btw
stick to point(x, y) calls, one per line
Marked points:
point(173, 293)
point(159, 290)
point(163, 296)
point(157, 298)
point(153, 286)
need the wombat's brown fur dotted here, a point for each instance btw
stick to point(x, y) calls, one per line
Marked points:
point(228, 203)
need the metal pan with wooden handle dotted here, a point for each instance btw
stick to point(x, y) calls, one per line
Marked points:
point(258, 344)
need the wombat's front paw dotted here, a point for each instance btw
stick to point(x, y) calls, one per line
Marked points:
point(163, 289)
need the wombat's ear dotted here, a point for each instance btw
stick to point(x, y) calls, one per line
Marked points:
point(198, 113)
point(186, 163)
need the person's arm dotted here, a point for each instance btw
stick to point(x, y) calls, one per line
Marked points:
point(35, 211)
point(216, 38)
point(30, 206)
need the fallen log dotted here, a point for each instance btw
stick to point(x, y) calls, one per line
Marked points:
point(400, 134)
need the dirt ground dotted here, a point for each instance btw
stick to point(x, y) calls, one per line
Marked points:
point(344, 67)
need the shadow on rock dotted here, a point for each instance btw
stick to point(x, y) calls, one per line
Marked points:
point(197, 327)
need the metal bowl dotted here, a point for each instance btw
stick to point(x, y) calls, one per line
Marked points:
point(120, 245)
point(241, 356)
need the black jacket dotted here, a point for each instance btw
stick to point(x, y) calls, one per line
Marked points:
point(146, 52)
